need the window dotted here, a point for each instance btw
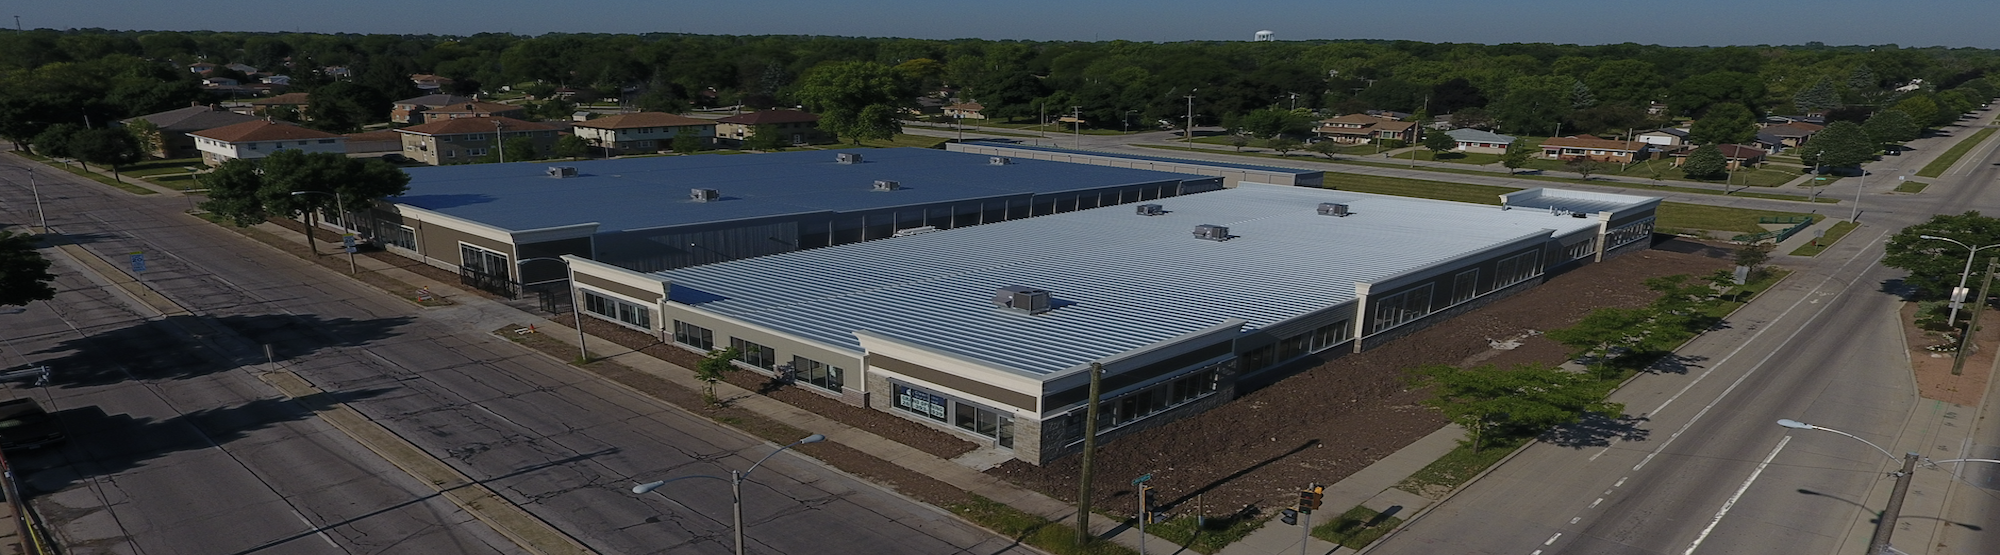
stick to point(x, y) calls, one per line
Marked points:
point(754, 354)
point(979, 420)
point(617, 310)
point(1628, 233)
point(475, 152)
point(923, 403)
point(1580, 249)
point(475, 137)
point(251, 146)
point(1516, 269)
point(820, 375)
point(1465, 286)
point(482, 261)
point(1400, 308)
point(326, 141)
point(398, 235)
point(1132, 407)
point(694, 336)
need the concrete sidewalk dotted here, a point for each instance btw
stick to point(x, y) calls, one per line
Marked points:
point(1373, 487)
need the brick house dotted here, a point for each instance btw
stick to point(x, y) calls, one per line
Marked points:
point(410, 110)
point(1602, 150)
point(1355, 129)
point(798, 127)
point(474, 109)
point(259, 138)
point(172, 140)
point(464, 140)
point(642, 132)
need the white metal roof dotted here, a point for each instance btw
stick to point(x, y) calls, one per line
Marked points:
point(1119, 281)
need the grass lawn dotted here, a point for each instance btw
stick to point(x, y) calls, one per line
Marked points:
point(1944, 161)
point(160, 167)
point(1678, 216)
point(1206, 537)
point(105, 179)
point(183, 182)
point(1356, 528)
point(1473, 158)
point(1911, 187)
point(1050, 536)
point(1053, 128)
point(901, 140)
point(1459, 465)
point(1832, 236)
point(1672, 215)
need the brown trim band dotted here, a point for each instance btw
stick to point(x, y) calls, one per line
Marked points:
point(1009, 397)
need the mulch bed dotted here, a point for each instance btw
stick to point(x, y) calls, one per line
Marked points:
point(1933, 369)
point(1261, 448)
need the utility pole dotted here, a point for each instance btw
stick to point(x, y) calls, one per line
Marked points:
point(1189, 137)
point(1854, 212)
point(1076, 120)
point(1965, 342)
point(500, 141)
point(1879, 544)
point(1044, 122)
point(1089, 451)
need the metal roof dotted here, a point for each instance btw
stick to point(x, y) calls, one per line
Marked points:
point(1272, 169)
point(639, 193)
point(1470, 135)
point(1120, 281)
point(1588, 202)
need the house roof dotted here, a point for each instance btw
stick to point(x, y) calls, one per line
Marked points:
point(1594, 143)
point(967, 107)
point(1363, 119)
point(1122, 282)
point(643, 119)
point(482, 124)
point(263, 130)
point(764, 117)
point(194, 118)
point(287, 99)
point(1682, 133)
point(1395, 125)
point(370, 136)
point(476, 107)
point(1470, 135)
point(1794, 129)
point(435, 100)
point(1740, 152)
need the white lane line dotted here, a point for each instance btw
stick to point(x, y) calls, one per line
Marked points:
point(1552, 539)
point(1573, 520)
point(1593, 504)
point(1621, 482)
point(1739, 494)
point(1536, 552)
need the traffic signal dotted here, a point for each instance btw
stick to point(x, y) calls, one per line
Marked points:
point(1145, 498)
point(1310, 499)
point(1289, 516)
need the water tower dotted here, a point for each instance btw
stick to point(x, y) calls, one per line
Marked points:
point(1265, 36)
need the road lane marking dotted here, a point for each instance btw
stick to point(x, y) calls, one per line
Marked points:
point(1573, 520)
point(1552, 539)
point(1621, 482)
point(1739, 494)
point(1593, 504)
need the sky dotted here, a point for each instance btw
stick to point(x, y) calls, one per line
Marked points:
point(1908, 23)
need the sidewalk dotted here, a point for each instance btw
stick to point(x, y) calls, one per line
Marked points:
point(1372, 487)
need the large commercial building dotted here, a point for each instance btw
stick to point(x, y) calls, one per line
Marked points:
point(660, 213)
point(1230, 173)
point(992, 331)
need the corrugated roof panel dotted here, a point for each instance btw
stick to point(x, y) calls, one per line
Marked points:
point(1120, 281)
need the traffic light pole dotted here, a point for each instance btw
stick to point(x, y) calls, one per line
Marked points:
point(1305, 530)
point(1145, 514)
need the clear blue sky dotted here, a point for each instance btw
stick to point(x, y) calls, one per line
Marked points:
point(1952, 23)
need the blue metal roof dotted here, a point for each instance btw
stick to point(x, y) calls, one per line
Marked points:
point(1121, 281)
point(1272, 169)
point(639, 193)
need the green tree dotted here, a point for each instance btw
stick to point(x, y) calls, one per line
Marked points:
point(1724, 124)
point(1534, 105)
point(1238, 140)
point(24, 273)
point(1583, 166)
point(233, 192)
point(1695, 94)
point(248, 192)
point(712, 368)
point(105, 146)
point(1283, 145)
point(1439, 143)
point(572, 146)
point(145, 135)
point(1269, 123)
point(1603, 335)
point(1516, 157)
point(1920, 108)
point(54, 142)
point(1817, 98)
point(856, 100)
point(1705, 162)
point(1325, 148)
point(1892, 126)
point(687, 143)
point(1525, 400)
point(1935, 265)
point(766, 138)
point(344, 106)
point(1843, 143)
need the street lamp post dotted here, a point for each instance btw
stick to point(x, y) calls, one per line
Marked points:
point(37, 190)
point(1128, 120)
point(1886, 525)
point(1189, 136)
point(341, 205)
point(735, 480)
point(583, 351)
point(1957, 298)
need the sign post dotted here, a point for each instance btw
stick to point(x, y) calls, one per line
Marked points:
point(1145, 513)
point(138, 262)
point(347, 242)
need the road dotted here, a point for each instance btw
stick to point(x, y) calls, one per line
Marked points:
point(1701, 467)
point(179, 449)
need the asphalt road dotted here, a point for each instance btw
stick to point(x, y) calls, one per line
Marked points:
point(1700, 466)
point(263, 472)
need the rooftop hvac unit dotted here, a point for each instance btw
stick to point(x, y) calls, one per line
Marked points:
point(704, 195)
point(914, 231)
point(1021, 299)
point(998, 161)
point(562, 171)
point(847, 158)
point(1151, 210)
point(887, 185)
point(1333, 209)
point(1211, 232)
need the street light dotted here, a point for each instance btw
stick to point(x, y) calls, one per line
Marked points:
point(583, 350)
point(1886, 525)
point(37, 189)
point(735, 480)
point(342, 206)
point(1957, 296)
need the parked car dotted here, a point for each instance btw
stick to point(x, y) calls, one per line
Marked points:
point(24, 425)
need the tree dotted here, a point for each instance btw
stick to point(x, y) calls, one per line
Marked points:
point(1525, 400)
point(1603, 335)
point(1922, 109)
point(344, 106)
point(232, 192)
point(249, 192)
point(1534, 105)
point(687, 144)
point(1580, 97)
point(145, 136)
point(1472, 118)
point(1439, 143)
point(662, 100)
point(54, 142)
point(1269, 123)
point(856, 100)
point(24, 273)
point(1935, 265)
point(1516, 157)
point(1695, 94)
point(1817, 98)
point(1238, 140)
point(1843, 143)
point(1892, 126)
point(1724, 124)
point(572, 146)
point(106, 146)
point(712, 368)
point(1583, 166)
point(766, 138)
point(1325, 148)
point(1283, 145)
point(1706, 162)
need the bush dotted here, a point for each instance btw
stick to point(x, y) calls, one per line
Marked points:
point(1394, 143)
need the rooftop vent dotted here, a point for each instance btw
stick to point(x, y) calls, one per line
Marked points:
point(915, 231)
point(704, 195)
point(999, 161)
point(1151, 210)
point(1333, 209)
point(847, 158)
point(887, 185)
point(1211, 232)
point(562, 171)
point(1021, 299)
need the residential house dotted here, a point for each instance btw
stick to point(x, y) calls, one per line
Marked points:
point(201, 68)
point(429, 82)
point(1656, 109)
point(337, 72)
point(797, 127)
point(642, 132)
point(967, 110)
point(1593, 148)
point(1355, 129)
point(474, 109)
point(259, 138)
point(245, 68)
point(296, 101)
point(410, 110)
point(1737, 156)
point(1664, 137)
point(1769, 142)
point(926, 106)
point(463, 140)
point(172, 140)
point(219, 82)
point(1814, 119)
point(1390, 114)
point(1480, 141)
point(1792, 134)
point(280, 80)
point(374, 143)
